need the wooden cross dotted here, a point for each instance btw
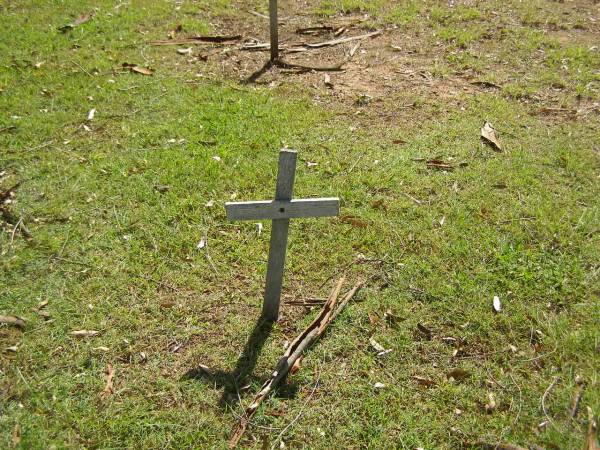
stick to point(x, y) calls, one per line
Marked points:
point(280, 211)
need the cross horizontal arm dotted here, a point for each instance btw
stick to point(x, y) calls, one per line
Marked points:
point(283, 209)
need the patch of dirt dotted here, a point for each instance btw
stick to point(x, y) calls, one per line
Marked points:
point(393, 75)
point(384, 67)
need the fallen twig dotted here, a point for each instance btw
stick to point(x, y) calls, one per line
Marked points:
point(546, 392)
point(330, 311)
point(342, 40)
point(197, 40)
point(287, 65)
point(579, 387)
point(315, 30)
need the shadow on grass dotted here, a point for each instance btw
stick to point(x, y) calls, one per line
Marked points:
point(231, 382)
point(259, 73)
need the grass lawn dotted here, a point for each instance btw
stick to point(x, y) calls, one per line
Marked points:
point(103, 225)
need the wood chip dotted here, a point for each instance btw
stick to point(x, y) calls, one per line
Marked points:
point(84, 333)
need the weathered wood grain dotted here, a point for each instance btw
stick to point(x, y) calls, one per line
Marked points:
point(279, 209)
point(284, 189)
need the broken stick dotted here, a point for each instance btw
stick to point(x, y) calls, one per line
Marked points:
point(342, 40)
point(330, 311)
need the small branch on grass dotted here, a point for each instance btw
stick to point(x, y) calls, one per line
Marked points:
point(580, 386)
point(330, 311)
point(198, 40)
point(82, 69)
point(342, 40)
point(546, 392)
point(286, 65)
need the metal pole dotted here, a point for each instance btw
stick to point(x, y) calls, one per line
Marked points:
point(273, 27)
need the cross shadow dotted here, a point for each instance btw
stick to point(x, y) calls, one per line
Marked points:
point(232, 382)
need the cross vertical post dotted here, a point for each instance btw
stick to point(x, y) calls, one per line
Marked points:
point(279, 234)
point(273, 29)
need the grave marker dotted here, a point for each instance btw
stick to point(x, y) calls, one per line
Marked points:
point(280, 211)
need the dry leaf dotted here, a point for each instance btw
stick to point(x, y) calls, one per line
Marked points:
point(80, 20)
point(91, 114)
point(425, 331)
point(496, 303)
point(376, 345)
point(373, 318)
point(458, 374)
point(488, 134)
point(137, 69)
point(490, 406)
point(379, 349)
point(16, 435)
point(379, 204)
point(108, 389)
point(354, 221)
point(84, 333)
point(424, 381)
point(45, 314)
point(13, 320)
point(172, 33)
point(391, 318)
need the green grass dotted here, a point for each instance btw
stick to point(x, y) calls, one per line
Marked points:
point(116, 213)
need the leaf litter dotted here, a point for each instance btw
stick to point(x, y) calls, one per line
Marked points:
point(490, 137)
